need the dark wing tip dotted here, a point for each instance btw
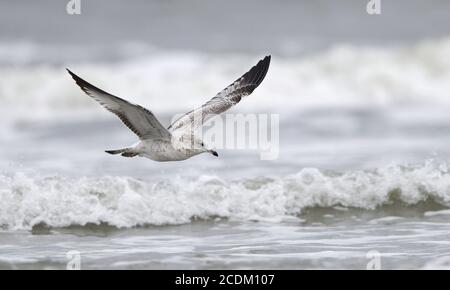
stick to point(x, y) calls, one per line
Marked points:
point(84, 85)
point(74, 76)
point(77, 79)
point(253, 78)
point(263, 64)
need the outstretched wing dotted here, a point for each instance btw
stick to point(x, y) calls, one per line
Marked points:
point(224, 100)
point(138, 119)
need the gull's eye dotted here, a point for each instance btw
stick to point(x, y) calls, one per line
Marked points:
point(202, 144)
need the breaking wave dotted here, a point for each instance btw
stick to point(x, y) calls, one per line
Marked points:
point(122, 202)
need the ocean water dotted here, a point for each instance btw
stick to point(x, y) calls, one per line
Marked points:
point(361, 179)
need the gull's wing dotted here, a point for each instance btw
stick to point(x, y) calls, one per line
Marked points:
point(138, 119)
point(224, 100)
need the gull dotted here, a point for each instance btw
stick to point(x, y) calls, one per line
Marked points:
point(177, 141)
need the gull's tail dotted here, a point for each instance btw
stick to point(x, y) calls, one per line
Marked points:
point(125, 152)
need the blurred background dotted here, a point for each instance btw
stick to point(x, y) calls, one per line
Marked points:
point(363, 101)
point(352, 89)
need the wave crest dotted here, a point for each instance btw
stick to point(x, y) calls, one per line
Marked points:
point(125, 202)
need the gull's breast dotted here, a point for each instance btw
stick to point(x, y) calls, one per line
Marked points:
point(162, 150)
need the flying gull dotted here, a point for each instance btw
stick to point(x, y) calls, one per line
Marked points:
point(176, 142)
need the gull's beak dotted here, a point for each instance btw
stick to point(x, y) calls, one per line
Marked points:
point(213, 153)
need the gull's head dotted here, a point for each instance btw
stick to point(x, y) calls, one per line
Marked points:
point(205, 148)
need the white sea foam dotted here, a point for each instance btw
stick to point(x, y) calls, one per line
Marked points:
point(437, 213)
point(174, 82)
point(441, 263)
point(127, 202)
